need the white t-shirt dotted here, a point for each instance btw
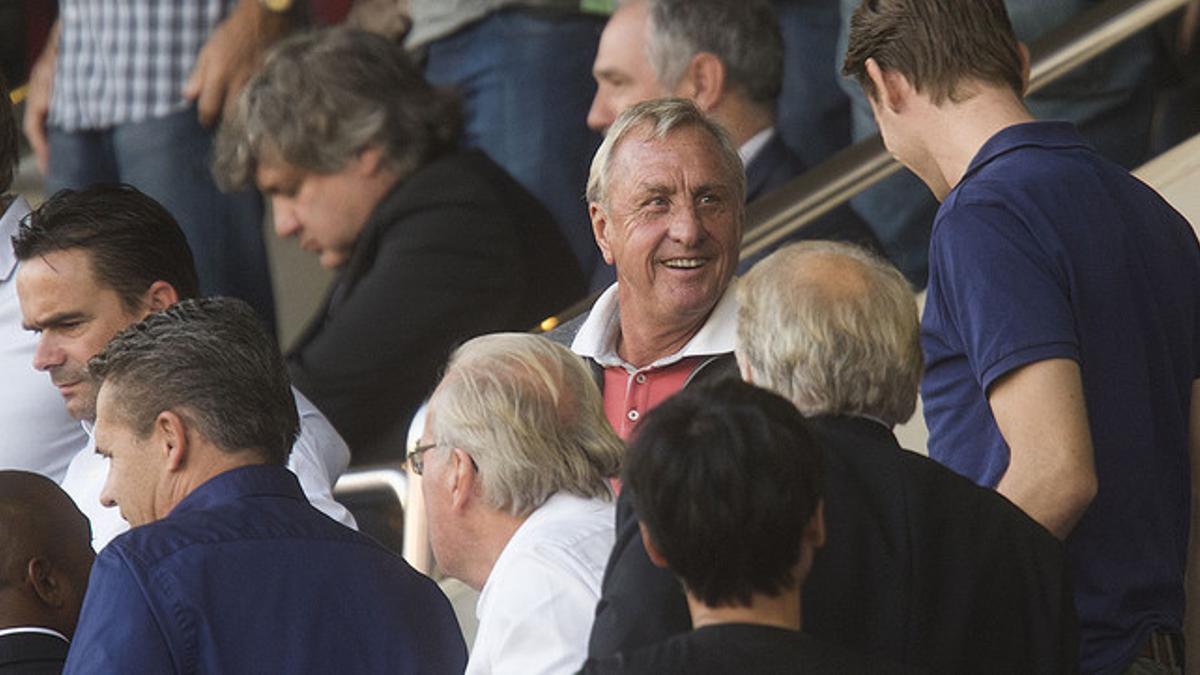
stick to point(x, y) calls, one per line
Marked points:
point(318, 458)
point(536, 607)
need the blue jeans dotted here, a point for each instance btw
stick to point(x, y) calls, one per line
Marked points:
point(526, 83)
point(1109, 99)
point(168, 159)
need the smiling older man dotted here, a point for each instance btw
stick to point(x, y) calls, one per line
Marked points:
point(665, 196)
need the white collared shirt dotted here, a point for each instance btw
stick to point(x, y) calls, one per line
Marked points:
point(536, 608)
point(597, 337)
point(752, 147)
point(33, 629)
point(36, 433)
point(318, 458)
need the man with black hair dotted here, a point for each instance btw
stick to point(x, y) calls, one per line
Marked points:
point(38, 434)
point(94, 262)
point(228, 567)
point(738, 523)
point(44, 566)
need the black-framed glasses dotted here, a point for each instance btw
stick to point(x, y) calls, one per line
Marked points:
point(416, 458)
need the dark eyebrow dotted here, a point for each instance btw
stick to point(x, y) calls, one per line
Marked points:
point(56, 320)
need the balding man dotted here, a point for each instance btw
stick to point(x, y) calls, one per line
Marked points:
point(727, 58)
point(515, 460)
point(45, 560)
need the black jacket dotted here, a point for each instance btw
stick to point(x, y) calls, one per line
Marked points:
point(920, 566)
point(456, 250)
point(32, 654)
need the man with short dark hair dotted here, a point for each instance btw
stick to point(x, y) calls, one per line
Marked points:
point(94, 262)
point(1062, 327)
point(38, 435)
point(44, 567)
point(739, 523)
point(228, 568)
point(727, 58)
point(432, 244)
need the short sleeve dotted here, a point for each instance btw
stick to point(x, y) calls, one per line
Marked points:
point(1005, 289)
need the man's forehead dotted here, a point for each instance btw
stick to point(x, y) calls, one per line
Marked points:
point(57, 281)
point(272, 172)
point(642, 152)
point(623, 42)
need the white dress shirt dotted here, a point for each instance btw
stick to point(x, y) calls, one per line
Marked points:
point(318, 458)
point(36, 433)
point(536, 607)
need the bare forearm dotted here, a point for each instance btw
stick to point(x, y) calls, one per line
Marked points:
point(1057, 500)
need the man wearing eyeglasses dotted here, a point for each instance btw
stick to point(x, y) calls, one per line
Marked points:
point(515, 458)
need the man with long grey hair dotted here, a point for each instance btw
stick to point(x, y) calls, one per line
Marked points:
point(358, 155)
point(515, 460)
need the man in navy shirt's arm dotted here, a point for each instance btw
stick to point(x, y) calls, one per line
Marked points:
point(1061, 331)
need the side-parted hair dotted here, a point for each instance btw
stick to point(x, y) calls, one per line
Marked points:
point(131, 239)
point(846, 345)
point(744, 35)
point(659, 117)
point(212, 362)
point(324, 96)
point(10, 153)
point(726, 478)
point(529, 413)
point(936, 44)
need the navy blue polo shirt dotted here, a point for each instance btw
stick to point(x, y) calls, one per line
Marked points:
point(1046, 250)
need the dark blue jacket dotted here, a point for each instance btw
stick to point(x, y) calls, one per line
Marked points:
point(244, 576)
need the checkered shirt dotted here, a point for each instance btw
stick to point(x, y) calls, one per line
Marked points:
point(123, 61)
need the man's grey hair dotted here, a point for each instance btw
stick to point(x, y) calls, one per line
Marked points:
point(840, 337)
point(211, 362)
point(324, 96)
point(529, 413)
point(743, 34)
point(659, 117)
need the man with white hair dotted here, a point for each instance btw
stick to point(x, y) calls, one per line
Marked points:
point(515, 460)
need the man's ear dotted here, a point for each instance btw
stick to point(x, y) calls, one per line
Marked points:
point(891, 88)
point(814, 531)
point(39, 573)
point(1025, 67)
point(652, 551)
point(704, 81)
point(600, 229)
point(370, 159)
point(160, 296)
point(171, 433)
point(465, 479)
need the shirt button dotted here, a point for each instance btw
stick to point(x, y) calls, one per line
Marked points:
point(640, 379)
point(633, 415)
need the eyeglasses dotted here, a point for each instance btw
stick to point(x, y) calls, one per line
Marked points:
point(416, 458)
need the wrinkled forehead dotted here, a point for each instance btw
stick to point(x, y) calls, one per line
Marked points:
point(644, 151)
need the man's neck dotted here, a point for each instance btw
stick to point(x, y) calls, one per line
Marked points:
point(741, 119)
point(955, 132)
point(779, 611)
point(639, 343)
point(489, 536)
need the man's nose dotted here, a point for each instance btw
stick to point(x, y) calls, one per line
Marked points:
point(48, 354)
point(600, 115)
point(286, 223)
point(686, 226)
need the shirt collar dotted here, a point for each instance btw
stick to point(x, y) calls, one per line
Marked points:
point(752, 147)
point(258, 479)
point(33, 629)
point(597, 337)
point(1052, 135)
point(9, 223)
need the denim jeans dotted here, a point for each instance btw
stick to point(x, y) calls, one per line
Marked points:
point(168, 158)
point(526, 83)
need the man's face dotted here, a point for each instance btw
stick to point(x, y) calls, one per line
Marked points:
point(135, 465)
point(436, 491)
point(623, 73)
point(324, 211)
point(75, 316)
point(671, 227)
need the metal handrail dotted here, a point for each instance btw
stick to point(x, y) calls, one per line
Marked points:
point(795, 204)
